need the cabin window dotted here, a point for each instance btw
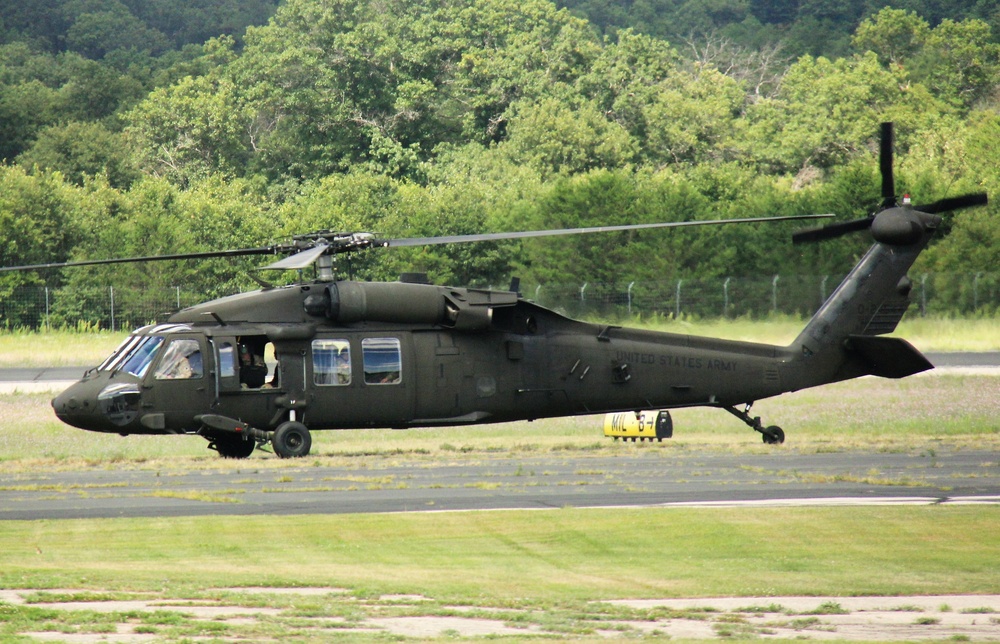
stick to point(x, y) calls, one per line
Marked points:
point(181, 361)
point(227, 360)
point(383, 361)
point(331, 362)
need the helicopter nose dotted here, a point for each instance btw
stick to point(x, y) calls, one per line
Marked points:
point(96, 405)
point(74, 407)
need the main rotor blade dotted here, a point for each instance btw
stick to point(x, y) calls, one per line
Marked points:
point(269, 250)
point(954, 203)
point(455, 239)
point(885, 166)
point(298, 261)
point(831, 231)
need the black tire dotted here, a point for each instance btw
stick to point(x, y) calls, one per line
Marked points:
point(232, 446)
point(291, 440)
point(773, 435)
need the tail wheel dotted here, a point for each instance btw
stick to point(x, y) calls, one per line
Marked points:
point(291, 440)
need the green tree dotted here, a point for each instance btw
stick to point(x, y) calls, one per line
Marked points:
point(895, 35)
point(557, 139)
point(960, 62)
point(350, 82)
point(191, 130)
point(109, 26)
point(35, 228)
point(695, 118)
point(80, 151)
point(827, 112)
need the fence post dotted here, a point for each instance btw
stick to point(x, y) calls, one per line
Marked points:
point(774, 294)
point(111, 289)
point(975, 291)
point(923, 295)
point(725, 297)
point(47, 325)
point(677, 312)
point(537, 290)
point(178, 297)
point(822, 289)
point(583, 294)
point(630, 285)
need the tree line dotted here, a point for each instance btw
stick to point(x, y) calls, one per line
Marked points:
point(446, 117)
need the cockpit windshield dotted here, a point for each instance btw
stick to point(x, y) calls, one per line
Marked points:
point(137, 351)
point(134, 355)
point(142, 355)
point(118, 353)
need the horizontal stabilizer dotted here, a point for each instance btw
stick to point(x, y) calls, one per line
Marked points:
point(888, 357)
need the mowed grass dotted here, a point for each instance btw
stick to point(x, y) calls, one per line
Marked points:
point(534, 557)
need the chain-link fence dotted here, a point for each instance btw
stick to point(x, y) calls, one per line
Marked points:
point(110, 307)
point(730, 297)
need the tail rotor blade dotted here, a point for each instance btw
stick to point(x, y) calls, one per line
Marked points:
point(954, 203)
point(885, 166)
point(832, 231)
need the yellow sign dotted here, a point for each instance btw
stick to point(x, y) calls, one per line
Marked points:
point(642, 425)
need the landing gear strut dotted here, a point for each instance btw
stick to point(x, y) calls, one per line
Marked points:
point(773, 435)
point(234, 439)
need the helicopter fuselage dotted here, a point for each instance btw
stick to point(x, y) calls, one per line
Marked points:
point(463, 357)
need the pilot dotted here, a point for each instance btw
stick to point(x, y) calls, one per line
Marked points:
point(253, 370)
point(343, 366)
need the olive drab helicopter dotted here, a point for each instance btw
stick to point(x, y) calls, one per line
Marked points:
point(272, 365)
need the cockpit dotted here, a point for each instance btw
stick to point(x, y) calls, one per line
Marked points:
point(137, 352)
point(108, 398)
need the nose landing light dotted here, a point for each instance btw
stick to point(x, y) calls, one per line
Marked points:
point(120, 402)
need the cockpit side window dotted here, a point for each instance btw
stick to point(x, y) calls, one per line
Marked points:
point(181, 361)
point(227, 360)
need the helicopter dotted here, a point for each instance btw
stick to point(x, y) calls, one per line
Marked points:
point(351, 354)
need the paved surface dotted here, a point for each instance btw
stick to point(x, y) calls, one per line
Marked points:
point(646, 477)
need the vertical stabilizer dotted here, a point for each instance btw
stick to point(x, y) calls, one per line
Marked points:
point(840, 341)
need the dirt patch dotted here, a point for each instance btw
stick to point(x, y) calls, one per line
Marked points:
point(942, 617)
point(446, 626)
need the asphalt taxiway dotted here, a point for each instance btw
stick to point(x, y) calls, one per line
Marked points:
point(641, 477)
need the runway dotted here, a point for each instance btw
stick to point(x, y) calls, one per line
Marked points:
point(637, 478)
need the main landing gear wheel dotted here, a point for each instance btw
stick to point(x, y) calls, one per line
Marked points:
point(291, 440)
point(232, 446)
point(773, 435)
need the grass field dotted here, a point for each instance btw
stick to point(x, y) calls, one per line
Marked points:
point(549, 556)
point(537, 574)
